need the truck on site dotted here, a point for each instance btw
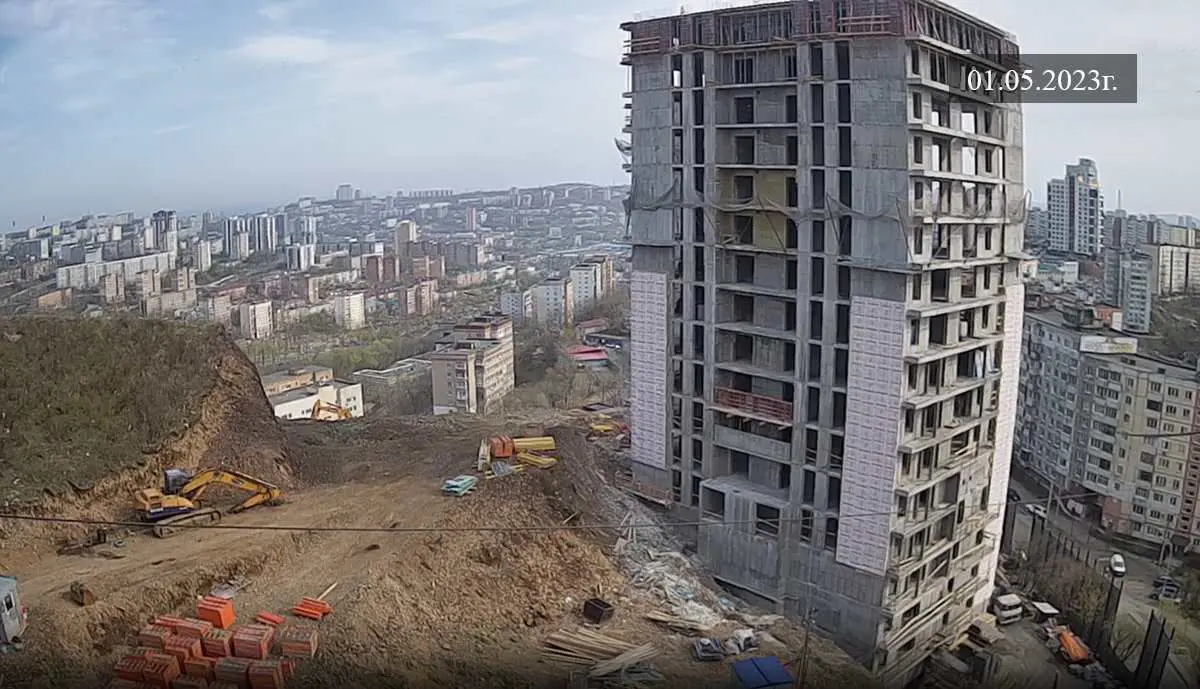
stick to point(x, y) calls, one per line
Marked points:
point(177, 504)
point(13, 617)
point(1008, 608)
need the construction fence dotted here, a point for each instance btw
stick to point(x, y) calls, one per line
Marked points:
point(1077, 582)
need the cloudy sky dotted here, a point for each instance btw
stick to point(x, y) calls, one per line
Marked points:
point(139, 104)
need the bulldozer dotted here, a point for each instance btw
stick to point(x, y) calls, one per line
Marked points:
point(322, 411)
point(178, 502)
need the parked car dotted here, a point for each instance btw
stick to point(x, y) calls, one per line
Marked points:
point(1014, 496)
point(1165, 580)
point(1116, 565)
point(1169, 593)
point(1036, 510)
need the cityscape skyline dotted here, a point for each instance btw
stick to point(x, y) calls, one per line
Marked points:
point(298, 97)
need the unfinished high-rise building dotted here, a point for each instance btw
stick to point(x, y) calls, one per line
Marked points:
point(826, 307)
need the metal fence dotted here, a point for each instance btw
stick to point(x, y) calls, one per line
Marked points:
point(1095, 627)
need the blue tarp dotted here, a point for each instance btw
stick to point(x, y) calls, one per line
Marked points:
point(759, 673)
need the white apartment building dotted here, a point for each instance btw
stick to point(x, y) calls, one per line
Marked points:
point(301, 257)
point(1083, 390)
point(553, 302)
point(587, 285)
point(517, 305)
point(1128, 285)
point(299, 403)
point(350, 310)
point(830, 385)
point(87, 275)
point(474, 366)
point(1075, 208)
point(255, 320)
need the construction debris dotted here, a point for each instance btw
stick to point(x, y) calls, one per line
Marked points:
point(678, 624)
point(81, 594)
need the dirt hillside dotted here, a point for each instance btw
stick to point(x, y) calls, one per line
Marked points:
point(95, 409)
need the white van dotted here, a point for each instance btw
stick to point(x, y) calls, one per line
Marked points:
point(1116, 565)
point(1007, 608)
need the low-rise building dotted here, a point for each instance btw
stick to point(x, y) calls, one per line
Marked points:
point(255, 320)
point(295, 378)
point(302, 403)
point(474, 366)
point(517, 305)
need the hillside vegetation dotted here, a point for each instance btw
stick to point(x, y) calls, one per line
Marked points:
point(81, 399)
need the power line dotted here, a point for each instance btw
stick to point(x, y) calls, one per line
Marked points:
point(468, 529)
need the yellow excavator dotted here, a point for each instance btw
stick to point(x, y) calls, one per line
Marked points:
point(339, 413)
point(178, 502)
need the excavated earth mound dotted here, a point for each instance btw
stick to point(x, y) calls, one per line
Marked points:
point(94, 409)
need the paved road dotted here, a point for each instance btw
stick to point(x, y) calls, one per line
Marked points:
point(1138, 585)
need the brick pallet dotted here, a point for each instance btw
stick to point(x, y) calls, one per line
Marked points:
point(218, 612)
point(266, 674)
point(193, 628)
point(199, 667)
point(154, 635)
point(253, 641)
point(160, 671)
point(234, 671)
point(298, 642)
point(217, 643)
point(183, 647)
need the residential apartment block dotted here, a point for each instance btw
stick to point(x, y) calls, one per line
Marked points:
point(553, 302)
point(1087, 397)
point(826, 308)
point(473, 366)
point(255, 320)
point(350, 310)
point(587, 285)
point(517, 305)
point(1075, 208)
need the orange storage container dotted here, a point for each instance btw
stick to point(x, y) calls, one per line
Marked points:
point(219, 612)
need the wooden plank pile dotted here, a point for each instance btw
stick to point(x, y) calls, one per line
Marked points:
point(606, 655)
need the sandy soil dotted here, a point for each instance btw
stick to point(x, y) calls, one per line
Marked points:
point(453, 608)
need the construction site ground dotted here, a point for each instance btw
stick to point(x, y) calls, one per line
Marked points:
point(448, 607)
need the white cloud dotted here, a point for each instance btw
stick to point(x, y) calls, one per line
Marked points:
point(515, 64)
point(285, 49)
point(504, 32)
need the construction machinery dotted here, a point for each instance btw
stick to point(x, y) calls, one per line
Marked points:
point(326, 411)
point(13, 616)
point(178, 503)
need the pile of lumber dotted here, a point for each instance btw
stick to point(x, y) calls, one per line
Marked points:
point(606, 655)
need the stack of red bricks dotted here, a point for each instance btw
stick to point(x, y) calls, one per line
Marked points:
point(207, 653)
point(298, 642)
point(253, 641)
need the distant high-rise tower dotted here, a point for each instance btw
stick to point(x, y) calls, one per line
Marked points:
point(826, 307)
point(345, 192)
point(1075, 208)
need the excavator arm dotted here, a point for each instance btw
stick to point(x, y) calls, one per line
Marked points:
point(260, 490)
point(179, 501)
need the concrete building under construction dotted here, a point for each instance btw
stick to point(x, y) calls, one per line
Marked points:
point(826, 307)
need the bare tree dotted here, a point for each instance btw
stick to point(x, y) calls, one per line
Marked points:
point(1126, 637)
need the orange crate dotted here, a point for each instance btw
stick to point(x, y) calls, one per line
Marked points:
point(217, 643)
point(219, 612)
point(130, 668)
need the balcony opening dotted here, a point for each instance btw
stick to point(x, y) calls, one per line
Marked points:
point(739, 464)
point(813, 406)
point(698, 108)
point(814, 362)
point(743, 69)
point(793, 279)
point(743, 150)
point(938, 332)
point(842, 333)
point(968, 283)
point(791, 110)
point(960, 443)
point(940, 285)
point(712, 503)
point(743, 110)
point(817, 142)
point(743, 308)
point(743, 270)
point(806, 526)
point(743, 188)
point(743, 229)
point(833, 493)
point(816, 320)
point(841, 367)
point(811, 445)
point(698, 146)
point(793, 193)
point(793, 150)
point(743, 348)
point(939, 112)
point(766, 520)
